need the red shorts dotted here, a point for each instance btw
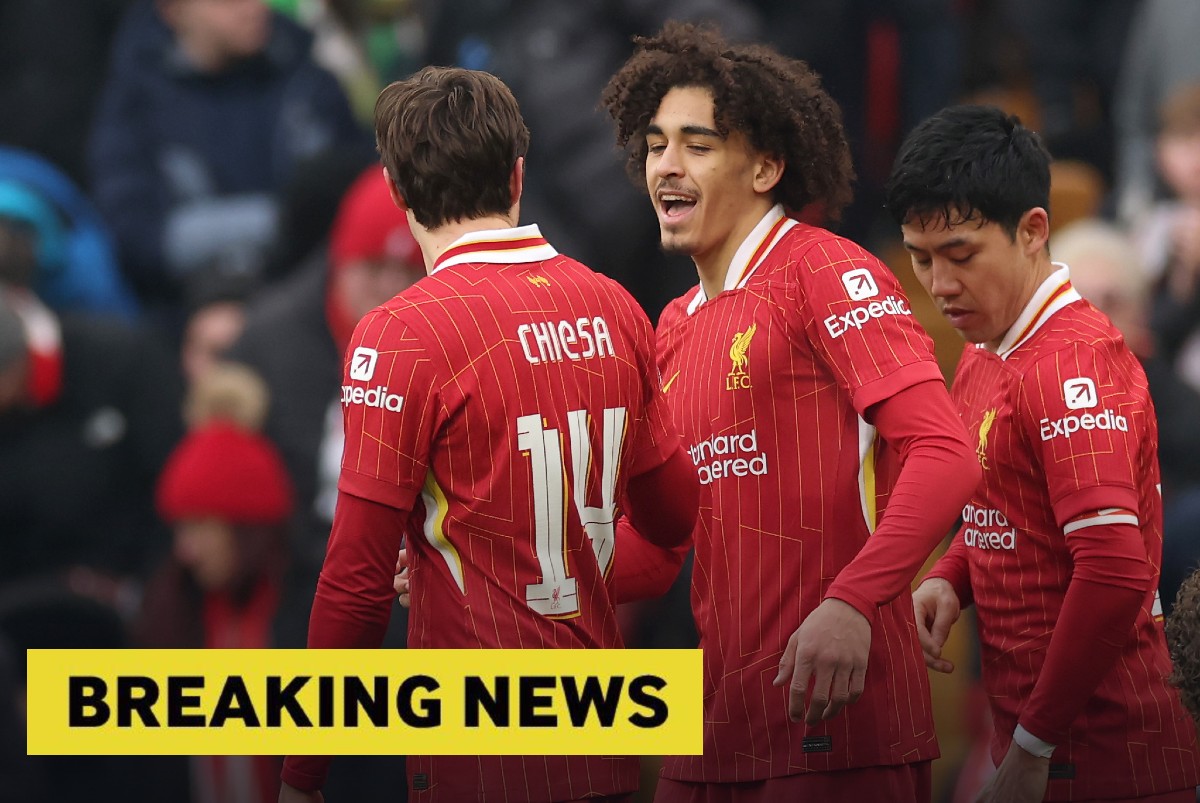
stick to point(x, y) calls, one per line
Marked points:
point(902, 783)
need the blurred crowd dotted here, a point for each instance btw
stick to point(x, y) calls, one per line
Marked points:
point(192, 220)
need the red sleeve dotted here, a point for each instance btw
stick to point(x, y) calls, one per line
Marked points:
point(354, 597)
point(938, 473)
point(1107, 590)
point(859, 320)
point(1086, 417)
point(390, 410)
point(642, 570)
point(662, 503)
point(954, 568)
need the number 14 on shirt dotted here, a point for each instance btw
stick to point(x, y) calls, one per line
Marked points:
point(556, 594)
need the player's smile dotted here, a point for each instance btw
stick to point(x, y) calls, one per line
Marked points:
point(675, 205)
point(704, 182)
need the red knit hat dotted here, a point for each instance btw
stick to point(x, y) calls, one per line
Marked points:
point(225, 471)
point(368, 224)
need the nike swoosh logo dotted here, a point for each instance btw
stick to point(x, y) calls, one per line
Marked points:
point(670, 382)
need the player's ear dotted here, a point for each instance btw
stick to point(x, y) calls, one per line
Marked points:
point(394, 191)
point(516, 182)
point(1033, 231)
point(768, 170)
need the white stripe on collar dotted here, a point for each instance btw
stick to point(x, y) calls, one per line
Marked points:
point(500, 254)
point(1038, 311)
point(740, 267)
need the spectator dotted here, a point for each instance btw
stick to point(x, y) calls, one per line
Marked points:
point(1068, 52)
point(88, 411)
point(296, 334)
point(216, 318)
point(60, 613)
point(1160, 56)
point(73, 263)
point(1168, 235)
point(226, 494)
point(209, 107)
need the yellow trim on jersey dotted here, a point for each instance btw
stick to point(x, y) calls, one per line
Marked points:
point(866, 474)
point(436, 508)
point(869, 487)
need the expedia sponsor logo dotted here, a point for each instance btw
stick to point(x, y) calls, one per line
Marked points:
point(372, 397)
point(860, 316)
point(860, 284)
point(728, 456)
point(1080, 393)
point(1070, 424)
point(362, 364)
point(988, 528)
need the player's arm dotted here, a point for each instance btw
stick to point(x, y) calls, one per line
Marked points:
point(377, 489)
point(1092, 486)
point(662, 495)
point(662, 503)
point(939, 600)
point(938, 473)
point(1110, 581)
point(353, 602)
point(887, 365)
point(1108, 587)
point(655, 535)
point(954, 568)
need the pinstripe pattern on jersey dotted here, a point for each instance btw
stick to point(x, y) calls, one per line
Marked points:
point(449, 346)
point(770, 541)
point(1133, 738)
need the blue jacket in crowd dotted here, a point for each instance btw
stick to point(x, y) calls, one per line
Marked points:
point(187, 165)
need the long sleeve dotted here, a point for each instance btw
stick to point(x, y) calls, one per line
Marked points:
point(938, 473)
point(354, 598)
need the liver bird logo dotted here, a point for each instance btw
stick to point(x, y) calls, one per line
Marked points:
point(985, 427)
point(738, 379)
point(538, 281)
point(741, 344)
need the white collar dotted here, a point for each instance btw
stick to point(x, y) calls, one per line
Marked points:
point(751, 253)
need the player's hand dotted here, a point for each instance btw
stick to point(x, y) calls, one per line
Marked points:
point(400, 581)
point(936, 608)
point(830, 648)
point(1020, 778)
point(290, 794)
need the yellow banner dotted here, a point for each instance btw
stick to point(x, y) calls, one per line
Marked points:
point(364, 702)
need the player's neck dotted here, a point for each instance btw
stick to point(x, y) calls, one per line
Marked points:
point(1042, 270)
point(435, 242)
point(713, 265)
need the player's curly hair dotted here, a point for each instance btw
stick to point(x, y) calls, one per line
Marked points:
point(1183, 640)
point(775, 101)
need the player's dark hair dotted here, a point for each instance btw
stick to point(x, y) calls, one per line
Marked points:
point(1183, 641)
point(449, 138)
point(775, 101)
point(969, 163)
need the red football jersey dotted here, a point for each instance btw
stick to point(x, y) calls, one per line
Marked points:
point(768, 382)
point(1065, 427)
point(506, 399)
